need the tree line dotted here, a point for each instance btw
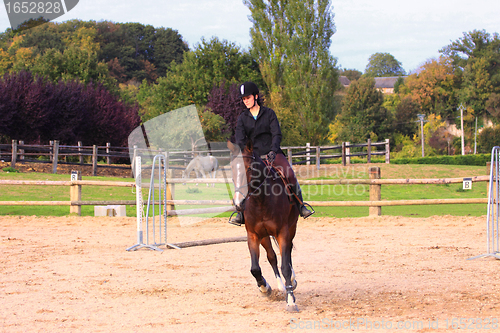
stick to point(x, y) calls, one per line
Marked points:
point(466, 74)
point(153, 71)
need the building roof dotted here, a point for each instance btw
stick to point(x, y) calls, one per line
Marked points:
point(386, 82)
point(345, 81)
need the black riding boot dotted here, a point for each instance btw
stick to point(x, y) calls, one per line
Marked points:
point(301, 205)
point(238, 219)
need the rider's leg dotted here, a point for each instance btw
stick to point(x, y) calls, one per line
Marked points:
point(282, 163)
point(303, 210)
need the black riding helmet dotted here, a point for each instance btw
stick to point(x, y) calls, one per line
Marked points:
point(248, 88)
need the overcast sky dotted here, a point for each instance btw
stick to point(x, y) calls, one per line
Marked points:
point(412, 31)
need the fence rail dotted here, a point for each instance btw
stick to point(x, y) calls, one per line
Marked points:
point(54, 153)
point(375, 203)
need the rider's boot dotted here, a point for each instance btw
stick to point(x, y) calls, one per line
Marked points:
point(301, 205)
point(237, 220)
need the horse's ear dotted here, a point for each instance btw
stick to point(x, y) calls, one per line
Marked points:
point(233, 148)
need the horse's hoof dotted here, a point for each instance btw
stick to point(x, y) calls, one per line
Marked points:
point(266, 290)
point(292, 308)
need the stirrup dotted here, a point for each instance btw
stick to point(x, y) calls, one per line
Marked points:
point(309, 212)
point(235, 221)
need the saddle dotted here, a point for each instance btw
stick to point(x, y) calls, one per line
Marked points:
point(278, 173)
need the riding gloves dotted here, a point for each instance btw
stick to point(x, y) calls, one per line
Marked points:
point(271, 156)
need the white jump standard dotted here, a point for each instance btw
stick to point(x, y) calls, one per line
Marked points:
point(492, 219)
point(159, 232)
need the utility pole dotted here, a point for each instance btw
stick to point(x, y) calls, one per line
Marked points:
point(421, 117)
point(475, 138)
point(461, 107)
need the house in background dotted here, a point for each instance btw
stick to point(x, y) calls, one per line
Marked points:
point(344, 81)
point(386, 84)
point(383, 84)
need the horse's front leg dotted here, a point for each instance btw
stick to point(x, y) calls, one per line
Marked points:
point(273, 261)
point(287, 271)
point(253, 246)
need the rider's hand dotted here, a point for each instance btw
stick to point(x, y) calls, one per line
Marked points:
point(271, 156)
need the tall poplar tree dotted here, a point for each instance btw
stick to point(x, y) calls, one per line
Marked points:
point(291, 41)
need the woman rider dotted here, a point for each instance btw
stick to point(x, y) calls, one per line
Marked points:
point(260, 124)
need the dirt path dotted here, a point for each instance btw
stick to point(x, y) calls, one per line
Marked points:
point(73, 274)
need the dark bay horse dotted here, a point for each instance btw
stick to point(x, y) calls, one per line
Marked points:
point(268, 211)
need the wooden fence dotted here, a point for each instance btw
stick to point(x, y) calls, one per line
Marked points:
point(54, 153)
point(375, 183)
point(314, 154)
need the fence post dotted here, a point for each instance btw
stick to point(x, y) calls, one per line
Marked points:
point(387, 152)
point(369, 151)
point(170, 190)
point(21, 151)
point(75, 193)
point(108, 159)
point(94, 160)
point(51, 150)
point(318, 160)
point(308, 153)
point(289, 155)
point(14, 154)
point(375, 192)
point(348, 152)
point(80, 157)
point(343, 154)
point(56, 156)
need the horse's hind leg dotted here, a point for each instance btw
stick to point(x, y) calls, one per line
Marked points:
point(273, 260)
point(253, 246)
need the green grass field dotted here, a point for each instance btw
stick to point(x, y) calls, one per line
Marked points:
point(311, 193)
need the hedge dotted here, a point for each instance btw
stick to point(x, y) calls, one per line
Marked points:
point(478, 159)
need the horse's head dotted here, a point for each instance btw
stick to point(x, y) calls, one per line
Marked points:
point(238, 169)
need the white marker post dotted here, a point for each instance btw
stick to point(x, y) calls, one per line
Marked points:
point(467, 184)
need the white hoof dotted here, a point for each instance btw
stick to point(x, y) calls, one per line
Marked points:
point(290, 303)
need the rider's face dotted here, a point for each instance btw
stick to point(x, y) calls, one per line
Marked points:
point(249, 101)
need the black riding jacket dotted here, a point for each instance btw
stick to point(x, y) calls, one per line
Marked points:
point(265, 131)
